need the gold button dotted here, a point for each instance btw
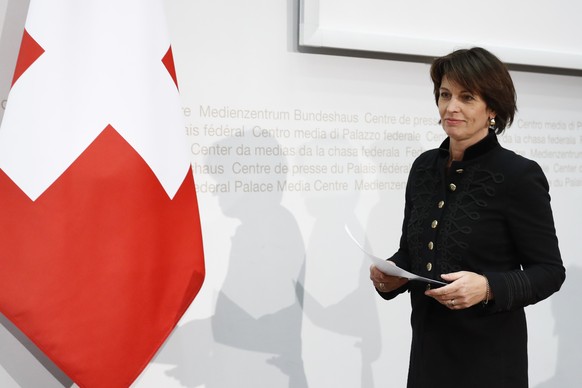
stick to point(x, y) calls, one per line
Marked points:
point(434, 224)
point(453, 187)
point(428, 266)
point(430, 246)
point(428, 286)
point(441, 204)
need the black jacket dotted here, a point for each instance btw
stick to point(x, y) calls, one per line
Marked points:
point(489, 214)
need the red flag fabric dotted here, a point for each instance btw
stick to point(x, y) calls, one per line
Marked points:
point(100, 243)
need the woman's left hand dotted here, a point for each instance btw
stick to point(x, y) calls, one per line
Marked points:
point(464, 290)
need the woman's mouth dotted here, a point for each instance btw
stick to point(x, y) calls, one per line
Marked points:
point(453, 121)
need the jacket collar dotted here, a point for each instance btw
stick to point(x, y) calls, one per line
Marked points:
point(480, 148)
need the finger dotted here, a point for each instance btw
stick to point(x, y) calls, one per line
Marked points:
point(375, 272)
point(452, 276)
point(441, 292)
point(380, 286)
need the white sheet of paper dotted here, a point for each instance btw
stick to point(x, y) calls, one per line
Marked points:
point(390, 268)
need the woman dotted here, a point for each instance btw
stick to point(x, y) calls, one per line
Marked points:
point(478, 217)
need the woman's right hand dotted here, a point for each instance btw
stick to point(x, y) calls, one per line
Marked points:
point(383, 282)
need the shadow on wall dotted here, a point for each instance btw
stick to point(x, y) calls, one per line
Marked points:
point(568, 321)
point(338, 297)
point(254, 337)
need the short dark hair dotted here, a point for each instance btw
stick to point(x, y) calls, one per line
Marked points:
point(482, 73)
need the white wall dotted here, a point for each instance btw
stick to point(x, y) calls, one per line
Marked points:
point(287, 300)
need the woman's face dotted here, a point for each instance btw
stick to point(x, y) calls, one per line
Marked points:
point(464, 115)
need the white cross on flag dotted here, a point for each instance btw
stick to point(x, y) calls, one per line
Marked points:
point(100, 242)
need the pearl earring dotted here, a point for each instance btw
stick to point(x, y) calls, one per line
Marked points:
point(492, 123)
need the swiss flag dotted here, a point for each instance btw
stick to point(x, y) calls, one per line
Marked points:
point(100, 243)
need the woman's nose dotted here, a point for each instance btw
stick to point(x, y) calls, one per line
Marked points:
point(453, 105)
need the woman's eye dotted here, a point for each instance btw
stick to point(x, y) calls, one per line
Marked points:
point(444, 95)
point(468, 97)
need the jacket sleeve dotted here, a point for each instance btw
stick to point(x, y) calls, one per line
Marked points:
point(531, 224)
